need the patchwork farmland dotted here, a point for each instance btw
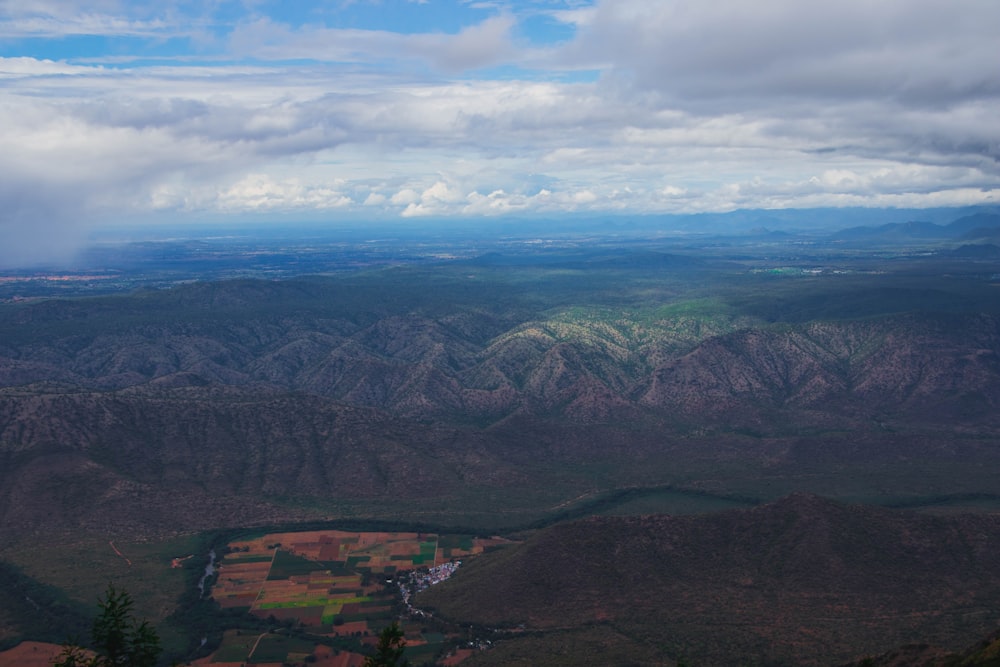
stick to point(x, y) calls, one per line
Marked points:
point(338, 586)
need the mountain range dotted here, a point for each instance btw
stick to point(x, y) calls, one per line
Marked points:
point(416, 383)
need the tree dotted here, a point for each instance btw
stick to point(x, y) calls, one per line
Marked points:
point(389, 650)
point(118, 639)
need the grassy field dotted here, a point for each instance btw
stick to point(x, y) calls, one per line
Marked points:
point(83, 567)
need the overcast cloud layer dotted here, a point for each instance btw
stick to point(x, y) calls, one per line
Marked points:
point(119, 111)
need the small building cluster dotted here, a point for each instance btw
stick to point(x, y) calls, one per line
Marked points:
point(418, 580)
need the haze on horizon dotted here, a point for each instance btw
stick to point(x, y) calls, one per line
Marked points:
point(393, 110)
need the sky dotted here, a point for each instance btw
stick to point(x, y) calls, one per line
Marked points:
point(124, 112)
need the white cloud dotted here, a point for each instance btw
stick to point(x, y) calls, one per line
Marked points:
point(257, 192)
point(57, 19)
point(730, 49)
point(405, 197)
point(487, 43)
point(438, 199)
point(480, 45)
point(30, 67)
point(699, 106)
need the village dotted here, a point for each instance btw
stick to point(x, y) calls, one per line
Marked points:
point(413, 581)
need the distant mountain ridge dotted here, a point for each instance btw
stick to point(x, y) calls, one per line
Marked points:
point(916, 230)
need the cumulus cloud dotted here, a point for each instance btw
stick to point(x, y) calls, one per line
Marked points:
point(666, 106)
point(915, 50)
point(481, 45)
point(917, 72)
point(438, 199)
point(261, 192)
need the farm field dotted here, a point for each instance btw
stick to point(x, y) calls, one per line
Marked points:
point(339, 587)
